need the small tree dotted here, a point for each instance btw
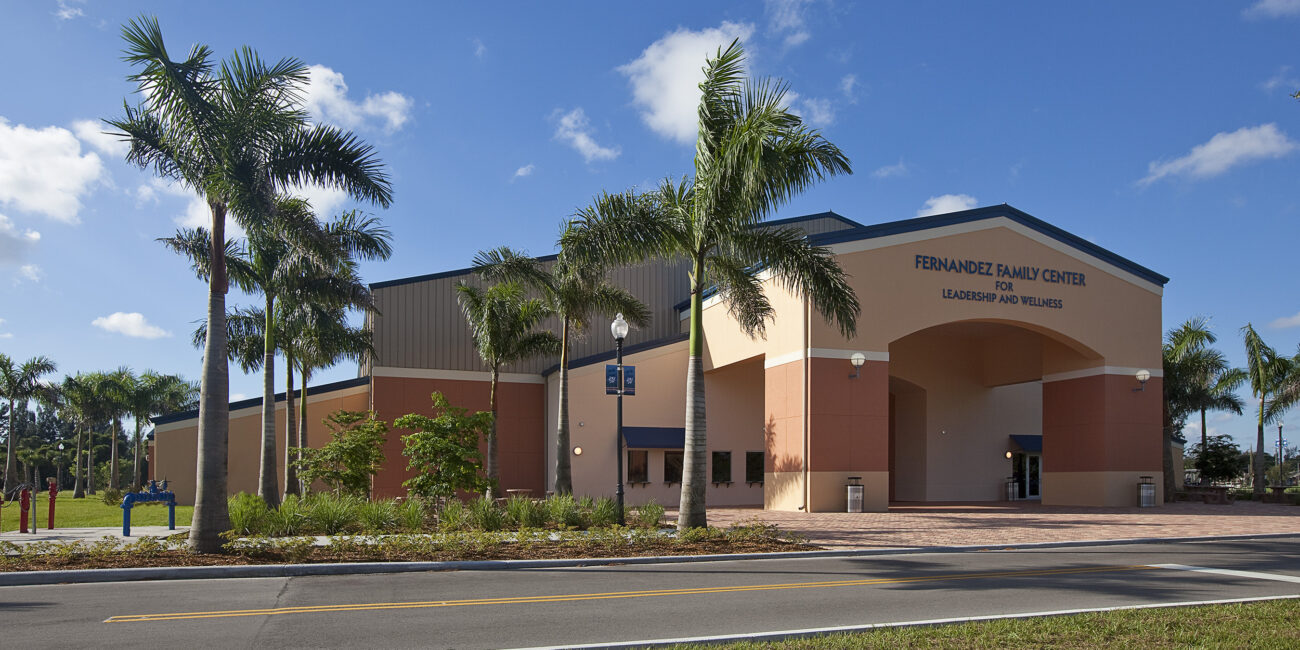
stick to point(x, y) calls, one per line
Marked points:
point(352, 457)
point(1220, 459)
point(443, 451)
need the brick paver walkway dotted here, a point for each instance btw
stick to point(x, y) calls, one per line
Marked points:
point(929, 524)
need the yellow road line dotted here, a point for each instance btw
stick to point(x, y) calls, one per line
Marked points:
point(558, 598)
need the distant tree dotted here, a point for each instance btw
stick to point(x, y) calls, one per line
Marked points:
point(1219, 459)
point(352, 457)
point(1275, 383)
point(501, 322)
point(443, 450)
point(19, 383)
point(1197, 377)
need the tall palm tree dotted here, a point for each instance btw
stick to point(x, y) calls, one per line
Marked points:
point(19, 383)
point(501, 322)
point(1275, 383)
point(751, 156)
point(148, 395)
point(576, 292)
point(1197, 378)
point(116, 396)
point(78, 399)
point(237, 136)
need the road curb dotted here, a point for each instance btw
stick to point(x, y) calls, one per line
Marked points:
point(82, 576)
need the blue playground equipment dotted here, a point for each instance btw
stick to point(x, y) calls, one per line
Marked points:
point(154, 494)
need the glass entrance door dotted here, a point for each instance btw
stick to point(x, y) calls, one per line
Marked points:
point(1027, 471)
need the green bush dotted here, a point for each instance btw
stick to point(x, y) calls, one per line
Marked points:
point(289, 519)
point(452, 516)
point(563, 511)
point(331, 515)
point(412, 514)
point(378, 516)
point(524, 512)
point(484, 515)
point(649, 514)
point(604, 513)
point(112, 497)
point(248, 514)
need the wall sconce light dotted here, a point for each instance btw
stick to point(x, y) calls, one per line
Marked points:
point(1009, 455)
point(1142, 376)
point(577, 451)
point(857, 359)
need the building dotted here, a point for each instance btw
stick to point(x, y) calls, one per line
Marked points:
point(992, 345)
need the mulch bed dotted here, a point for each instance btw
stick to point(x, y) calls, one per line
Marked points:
point(319, 555)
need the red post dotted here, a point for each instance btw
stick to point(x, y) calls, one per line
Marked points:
point(25, 506)
point(54, 490)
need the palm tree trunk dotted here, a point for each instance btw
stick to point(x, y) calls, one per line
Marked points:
point(302, 420)
point(266, 474)
point(11, 461)
point(1204, 445)
point(563, 469)
point(135, 469)
point(211, 513)
point(291, 440)
point(114, 476)
point(90, 461)
point(691, 509)
point(493, 471)
point(1259, 455)
point(78, 488)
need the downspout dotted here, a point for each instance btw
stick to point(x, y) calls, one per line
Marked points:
point(807, 379)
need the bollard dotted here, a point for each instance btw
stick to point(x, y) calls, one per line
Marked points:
point(24, 505)
point(54, 490)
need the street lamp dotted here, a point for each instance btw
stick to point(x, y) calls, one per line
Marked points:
point(619, 329)
point(1281, 451)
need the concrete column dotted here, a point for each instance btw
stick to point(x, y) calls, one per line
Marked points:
point(783, 427)
point(848, 432)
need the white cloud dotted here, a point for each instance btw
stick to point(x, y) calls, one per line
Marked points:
point(237, 397)
point(325, 201)
point(526, 170)
point(479, 48)
point(145, 194)
point(818, 112)
point(1286, 321)
point(68, 13)
point(847, 83)
point(133, 324)
point(1283, 79)
point(14, 245)
point(44, 171)
point(785, 19)
point(30, 272)
point(946, 203)
point(890, 171)
point(1272, 9)
point(1222, 152)
point(575, 130)
point(327, 100)
point(665, 79)
point(92, 133)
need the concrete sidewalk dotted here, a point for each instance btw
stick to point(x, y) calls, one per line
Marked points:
point(87, 534)
point(1018, 522)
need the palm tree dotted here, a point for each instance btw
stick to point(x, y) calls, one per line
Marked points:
point(501, 322)
point(148, 395)
point(751, 156)
point(576, 292)
point(1197, 378)
point(1275, 383)
point(19, 383)
point(77, 398)
point(237, 136)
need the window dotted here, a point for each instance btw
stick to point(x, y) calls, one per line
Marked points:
point(673, 467)
point(638, 466)
point(753, 467)
point(721, 467)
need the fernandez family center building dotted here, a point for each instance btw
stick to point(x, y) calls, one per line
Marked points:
point(991, 345)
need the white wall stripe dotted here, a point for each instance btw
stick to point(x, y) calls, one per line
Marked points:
point(1101, 370)
point(459, 375)
point(832, 353)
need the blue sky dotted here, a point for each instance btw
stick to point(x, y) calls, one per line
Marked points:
point(1163, 131)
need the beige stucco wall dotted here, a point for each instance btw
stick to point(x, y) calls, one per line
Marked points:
point(175, 456)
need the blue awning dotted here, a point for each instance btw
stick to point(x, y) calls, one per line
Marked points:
point(1029, 443)
point(655, 437)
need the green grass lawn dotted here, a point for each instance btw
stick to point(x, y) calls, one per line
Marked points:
point(1267, 624)
point(89, 512)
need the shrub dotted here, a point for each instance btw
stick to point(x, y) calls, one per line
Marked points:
point(452, 516)
point(248, 514)
point(331, 515)
point(289, 519)
point(443, 451)
point(412, 515)
point(378, 516)
point(112, 497)
point(604, 513)
point(484, 515)
point(563, 511)
point(351, 458)
point(524, 512)
point(649, 514)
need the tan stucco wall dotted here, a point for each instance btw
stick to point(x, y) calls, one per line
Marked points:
point(783, 339)
point(175, 456)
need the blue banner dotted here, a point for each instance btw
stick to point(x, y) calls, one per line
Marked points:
point(611, 379)
point(629, 380)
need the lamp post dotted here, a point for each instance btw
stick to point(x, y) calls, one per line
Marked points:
point(1281, 451)
point(619, 329)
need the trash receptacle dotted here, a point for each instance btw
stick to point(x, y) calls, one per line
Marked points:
point(854, 493)
point(1012, 488)
point(1146, 492)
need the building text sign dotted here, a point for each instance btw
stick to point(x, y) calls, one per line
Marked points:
point(1005, 277)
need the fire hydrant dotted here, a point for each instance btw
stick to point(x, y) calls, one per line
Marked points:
point(25, 506)
point(54, 491)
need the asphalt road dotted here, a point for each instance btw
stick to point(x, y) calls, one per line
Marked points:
point(564, 607)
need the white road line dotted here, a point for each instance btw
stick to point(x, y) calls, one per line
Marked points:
point(1230, 572)
point(810, 632)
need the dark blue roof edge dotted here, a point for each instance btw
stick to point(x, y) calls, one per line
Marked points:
point(655, 437)
point(829, 214)
point(989, 212)
point(444, 274)
point(609, 356)
point(257, 401)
